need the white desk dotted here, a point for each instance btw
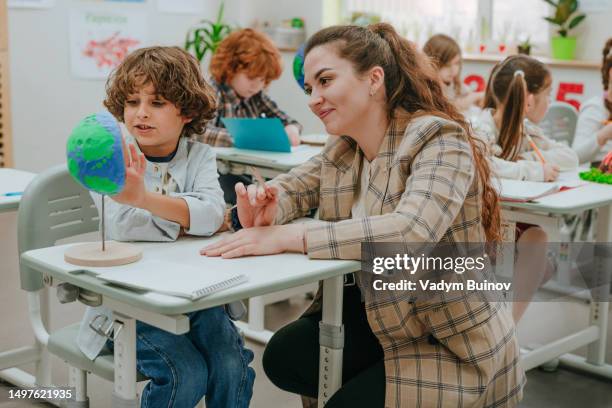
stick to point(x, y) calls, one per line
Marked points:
point(231, 160)
point(547, 212)
point(11, 181)
point(167, 312)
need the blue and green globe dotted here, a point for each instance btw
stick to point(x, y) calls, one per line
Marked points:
point(298, 66)
point(95, 154)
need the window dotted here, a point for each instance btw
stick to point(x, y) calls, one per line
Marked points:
point(470, 22)
point(511, 25)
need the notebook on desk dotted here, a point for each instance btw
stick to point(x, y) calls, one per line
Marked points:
point(258, 134)
point(168, 278)
point(519, 191)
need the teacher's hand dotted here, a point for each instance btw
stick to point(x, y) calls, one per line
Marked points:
point(257, 205)
point(259, 241)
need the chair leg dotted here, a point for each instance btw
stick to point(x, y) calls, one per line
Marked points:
point(78, 379)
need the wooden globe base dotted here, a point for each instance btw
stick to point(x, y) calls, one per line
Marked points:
point(91, 254)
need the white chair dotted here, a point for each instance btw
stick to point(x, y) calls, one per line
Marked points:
point(52, 208)
point(560, 122)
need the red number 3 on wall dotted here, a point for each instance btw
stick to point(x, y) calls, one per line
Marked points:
point(566, 88)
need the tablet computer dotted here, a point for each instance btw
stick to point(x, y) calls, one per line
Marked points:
point(258, 134)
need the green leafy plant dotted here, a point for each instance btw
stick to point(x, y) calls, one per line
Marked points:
point(524, 47)
point(526, 43)
point(205, 36)
point(564, 10)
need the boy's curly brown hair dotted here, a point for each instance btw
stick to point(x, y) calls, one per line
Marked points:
point(174, 74)
point(249, 51)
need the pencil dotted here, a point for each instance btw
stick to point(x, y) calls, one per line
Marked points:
point(606, 122)
point(535, 149)
point(260, 180)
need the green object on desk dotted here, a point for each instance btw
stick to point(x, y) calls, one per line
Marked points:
point(597, 176)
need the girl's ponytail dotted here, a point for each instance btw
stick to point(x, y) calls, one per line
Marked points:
point(511, 129)
point(510, 82)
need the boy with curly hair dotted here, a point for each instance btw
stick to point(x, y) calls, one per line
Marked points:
point(172, 189)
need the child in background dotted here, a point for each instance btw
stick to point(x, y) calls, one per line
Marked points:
point(593, 137)
point(445, 53)
point(171, 188)
point(244, 64)
point(516, 99)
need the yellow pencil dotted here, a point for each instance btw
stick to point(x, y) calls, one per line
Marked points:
point(535, 149)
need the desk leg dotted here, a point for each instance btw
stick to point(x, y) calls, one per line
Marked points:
point(596, 352)
point(124, 394)
point(331, 339)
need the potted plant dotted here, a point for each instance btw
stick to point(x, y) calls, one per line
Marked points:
point(524, 47)
point(206, 35)
point(564, 46)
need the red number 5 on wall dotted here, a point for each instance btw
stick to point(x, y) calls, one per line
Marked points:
point(566, 88)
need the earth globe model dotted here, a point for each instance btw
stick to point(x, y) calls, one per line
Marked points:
point(298, 66)
point(94, 152)
point(95, 155)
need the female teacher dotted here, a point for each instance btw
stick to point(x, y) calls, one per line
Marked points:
point(406, 169)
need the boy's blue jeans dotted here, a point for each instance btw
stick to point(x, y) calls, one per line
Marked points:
point(210, 360)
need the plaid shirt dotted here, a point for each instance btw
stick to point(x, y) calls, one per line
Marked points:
point(423, 188)
point(230, 105)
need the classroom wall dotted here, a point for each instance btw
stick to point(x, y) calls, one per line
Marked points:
point(593, 33)
point(47, 101)
point(285, 91)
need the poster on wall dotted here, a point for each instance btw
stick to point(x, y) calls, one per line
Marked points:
point(31, 3)
point(99, 40)
point(181, 6)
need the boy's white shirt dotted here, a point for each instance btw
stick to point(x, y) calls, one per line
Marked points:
point(529, 167)
point(190, 175)
point(590, 120)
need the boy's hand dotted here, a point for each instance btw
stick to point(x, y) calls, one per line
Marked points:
point(294, 134)
point(133, 192)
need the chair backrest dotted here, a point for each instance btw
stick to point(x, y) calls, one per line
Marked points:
point(52, 207)
point(560, 122)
